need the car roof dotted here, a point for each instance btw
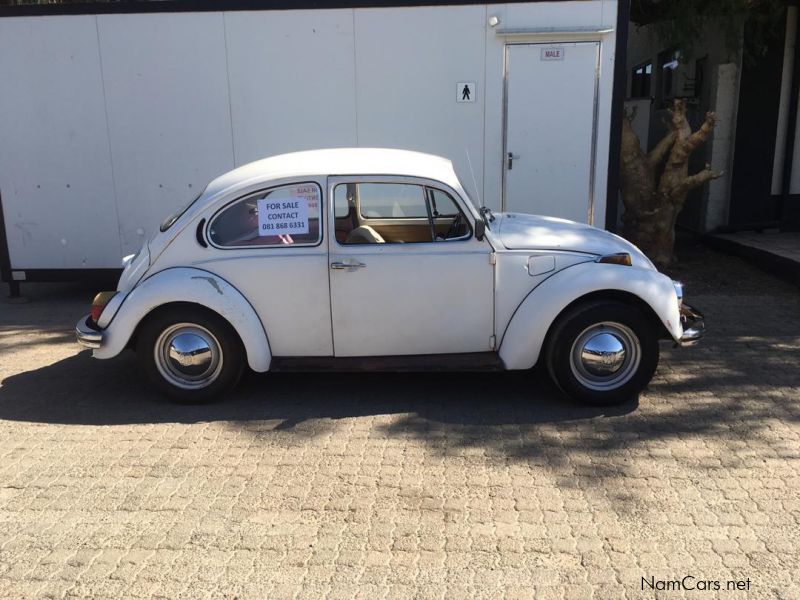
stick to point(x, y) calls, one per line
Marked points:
point(337, 161)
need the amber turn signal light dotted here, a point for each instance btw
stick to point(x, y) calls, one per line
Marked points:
point(99, 303)
point(622, 258)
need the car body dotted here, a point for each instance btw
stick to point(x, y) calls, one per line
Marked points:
point(377, 258)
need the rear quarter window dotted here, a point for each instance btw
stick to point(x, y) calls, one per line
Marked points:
point(287, 215)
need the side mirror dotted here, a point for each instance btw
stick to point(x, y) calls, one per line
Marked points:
point(480, 229)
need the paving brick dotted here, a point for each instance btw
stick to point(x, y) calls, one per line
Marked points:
point(404, 486)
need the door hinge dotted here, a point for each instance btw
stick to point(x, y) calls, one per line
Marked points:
point(492, 342)
point(493, 258)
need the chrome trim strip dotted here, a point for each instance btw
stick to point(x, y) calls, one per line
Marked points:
point(678, 291)
point(694, 327)
point(86, 336)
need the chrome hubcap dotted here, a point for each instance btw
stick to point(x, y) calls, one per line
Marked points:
point(188, 356)
point(605, 356)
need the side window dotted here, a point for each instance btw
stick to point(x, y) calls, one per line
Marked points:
point(391, 201)
point(286, 215)
point(442, 205)
point(345, 197)
point(396, 213)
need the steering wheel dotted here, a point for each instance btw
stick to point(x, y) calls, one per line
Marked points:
point(454, 227)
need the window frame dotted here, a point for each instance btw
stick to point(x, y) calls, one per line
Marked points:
point(226, 205)
point(364, 217)
point(426, 184)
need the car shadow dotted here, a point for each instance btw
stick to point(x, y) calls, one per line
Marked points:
point(732, 388)
point(81, 391)
point(705, 394)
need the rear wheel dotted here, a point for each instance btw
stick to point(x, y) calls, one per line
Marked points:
point(603, 352)
point(190, 354)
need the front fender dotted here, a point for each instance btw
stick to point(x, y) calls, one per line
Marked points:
point(525, 334)
point(188, 285)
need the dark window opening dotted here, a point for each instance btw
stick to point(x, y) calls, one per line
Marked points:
point(641, 79)
point(668, 63)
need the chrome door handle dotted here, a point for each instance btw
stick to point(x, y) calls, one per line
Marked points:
point(511, 157)
point(343, 265)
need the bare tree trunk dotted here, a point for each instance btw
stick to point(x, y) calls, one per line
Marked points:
point(654, 195)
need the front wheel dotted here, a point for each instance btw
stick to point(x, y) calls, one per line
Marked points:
point(189, 354)
point(602, 352)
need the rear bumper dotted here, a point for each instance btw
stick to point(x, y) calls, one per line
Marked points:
point(87, 335)
point(694, 326)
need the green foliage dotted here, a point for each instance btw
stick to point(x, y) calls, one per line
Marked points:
point(682, 23)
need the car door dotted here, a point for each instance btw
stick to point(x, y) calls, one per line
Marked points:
point(405, 278)
point(268, 244)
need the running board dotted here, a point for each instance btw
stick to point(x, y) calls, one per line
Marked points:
point(475, 361)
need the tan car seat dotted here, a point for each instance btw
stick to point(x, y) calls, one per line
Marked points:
point(364, 235)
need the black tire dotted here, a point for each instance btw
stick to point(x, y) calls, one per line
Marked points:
point(582, 380)
point(205, 325)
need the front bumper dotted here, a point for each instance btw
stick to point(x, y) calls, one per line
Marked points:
point(88, 336)
point(694, 326)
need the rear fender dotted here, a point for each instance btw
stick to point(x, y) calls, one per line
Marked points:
point(195, 286)
point(525, 334)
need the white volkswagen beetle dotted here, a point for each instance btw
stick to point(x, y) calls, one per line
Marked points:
point(377, 259)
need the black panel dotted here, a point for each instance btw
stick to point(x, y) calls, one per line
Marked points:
point(791, 212)
point(476, 361)
point(756, 128)
point(5, 258)
point(790, 203)
point(199, 234)
point(47, 275)
point(617, 108)
point(127, 6)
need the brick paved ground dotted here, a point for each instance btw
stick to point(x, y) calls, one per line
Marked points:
point(400, 486)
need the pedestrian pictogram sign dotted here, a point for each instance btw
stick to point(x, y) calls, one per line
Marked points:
point(466, 91)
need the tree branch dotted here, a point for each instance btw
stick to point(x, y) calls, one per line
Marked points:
point(702, 134)
point(657, 154)
point(701, 178)
point(677, 115)
point(685, 148)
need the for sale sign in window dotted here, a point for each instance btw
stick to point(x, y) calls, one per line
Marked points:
point(286, 211)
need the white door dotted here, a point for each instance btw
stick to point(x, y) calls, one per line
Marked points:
point(395, 292)
point(278, 259)
point(550, 128)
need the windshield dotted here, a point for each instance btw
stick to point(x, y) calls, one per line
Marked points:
point(170, 220)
